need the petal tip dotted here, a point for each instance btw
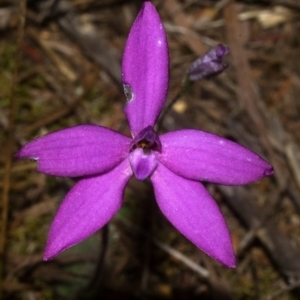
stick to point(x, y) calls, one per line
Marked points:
point(48, 255)
point(221, 50)
point(227, 259)
point(268, 171)
point(232, 263)
point(147, 5)
point(26, 152)
point(52, 250)
point(20, 154)
point(231, 266)
point(46, 258)
point(224, 256)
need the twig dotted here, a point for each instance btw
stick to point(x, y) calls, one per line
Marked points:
point(60, 64)
point(261, 223)
point(52, 116)
point(186, 83)
point(172, 252)
point(21, 167)
point(180, 19)
point(282, 252)
point(92, 42)
point(93, 289)
point(283, 290)
point(182, 258)
point(10, 141)
point(247, 92)
point(292, 4)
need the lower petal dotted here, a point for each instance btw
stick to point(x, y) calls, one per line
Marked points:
point(191, 209)
point(90, 204)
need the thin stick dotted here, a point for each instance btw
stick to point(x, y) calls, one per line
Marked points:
point(282, 291)
point(95, 286)
point(10, 141)
point(171, 251)
point(186, 83)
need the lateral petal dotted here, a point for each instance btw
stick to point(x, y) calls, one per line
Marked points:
point(145, 69)
point(90, 204)
point(77, 151)
point(203, 156)
point(191, 209)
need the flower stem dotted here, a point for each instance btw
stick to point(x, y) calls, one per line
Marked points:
point(95, 287)
point(185, 85)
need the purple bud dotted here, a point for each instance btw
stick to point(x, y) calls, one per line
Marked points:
point(210, 64)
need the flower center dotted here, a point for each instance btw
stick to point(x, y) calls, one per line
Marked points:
point(147, 139)
point(142, 155)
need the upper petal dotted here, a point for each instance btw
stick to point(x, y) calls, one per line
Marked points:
point(145, 69)
point(77, 151)
point(90, 204)
point(199, 155)
point(191, 209)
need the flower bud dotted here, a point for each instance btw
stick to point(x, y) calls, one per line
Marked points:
point(210, 64)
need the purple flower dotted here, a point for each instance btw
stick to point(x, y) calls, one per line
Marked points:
point(175, 162)
point(210, 64)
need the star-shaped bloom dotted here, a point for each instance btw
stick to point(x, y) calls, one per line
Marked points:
point(175, 162)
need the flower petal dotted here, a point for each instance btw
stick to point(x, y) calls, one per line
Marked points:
point(77, 151)
point(191, 209)
point(90, 204)
point(142, 164)
point(199, 155)
point(145, 69)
